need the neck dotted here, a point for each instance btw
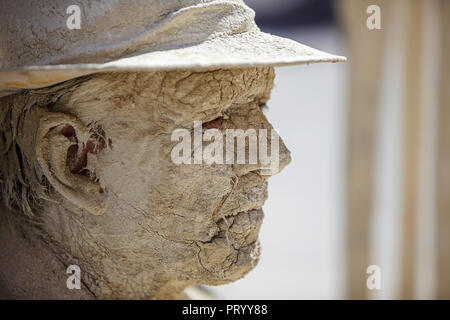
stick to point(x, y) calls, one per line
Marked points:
point(28, 268)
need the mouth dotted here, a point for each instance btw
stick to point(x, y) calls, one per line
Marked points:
point(247, 224)
point(241, 229)
point(240, 215)
point(234, 249)
point(248, 194)
point(246, 219)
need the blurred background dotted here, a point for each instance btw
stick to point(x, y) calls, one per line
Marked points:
point(369, 183)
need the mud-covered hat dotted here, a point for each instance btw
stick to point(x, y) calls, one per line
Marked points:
point(39, 47)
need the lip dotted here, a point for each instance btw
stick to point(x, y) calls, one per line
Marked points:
point(256, 210)
point(242, 228)
point(244, 220)
point(240, 202)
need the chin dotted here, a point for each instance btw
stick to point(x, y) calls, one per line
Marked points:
point(234, 251)
point(247, 259)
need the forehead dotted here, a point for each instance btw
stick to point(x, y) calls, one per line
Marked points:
point(182, 83)
point(176, 93)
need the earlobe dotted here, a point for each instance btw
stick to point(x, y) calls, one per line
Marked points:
point(62, 148)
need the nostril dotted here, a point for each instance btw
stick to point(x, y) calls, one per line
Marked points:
point(263, 106)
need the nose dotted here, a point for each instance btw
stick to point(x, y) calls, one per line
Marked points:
point(285, 157)
point(272, 154)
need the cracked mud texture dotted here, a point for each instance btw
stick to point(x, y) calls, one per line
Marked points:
point(138, 225)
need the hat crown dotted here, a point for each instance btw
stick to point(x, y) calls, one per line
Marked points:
point(36, 32)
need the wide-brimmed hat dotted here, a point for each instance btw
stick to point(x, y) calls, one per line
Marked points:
point(41, 44)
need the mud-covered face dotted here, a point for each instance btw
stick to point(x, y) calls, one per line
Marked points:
point(191, 222)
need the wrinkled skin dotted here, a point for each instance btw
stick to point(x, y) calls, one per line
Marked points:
point(163, 226)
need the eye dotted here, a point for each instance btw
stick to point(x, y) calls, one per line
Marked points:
point(214, 124)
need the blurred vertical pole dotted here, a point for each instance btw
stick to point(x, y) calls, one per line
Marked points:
point(443, 161)
point(366, 50)
point(413, 63)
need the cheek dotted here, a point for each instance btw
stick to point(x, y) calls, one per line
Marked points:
point(178, 201)
point(186, 199)
point(128, 168)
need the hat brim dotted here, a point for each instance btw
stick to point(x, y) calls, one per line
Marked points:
point(250, 49)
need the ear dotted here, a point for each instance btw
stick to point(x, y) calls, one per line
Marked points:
point(67, 153)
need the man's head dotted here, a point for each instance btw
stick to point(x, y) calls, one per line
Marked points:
point(90, 162)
